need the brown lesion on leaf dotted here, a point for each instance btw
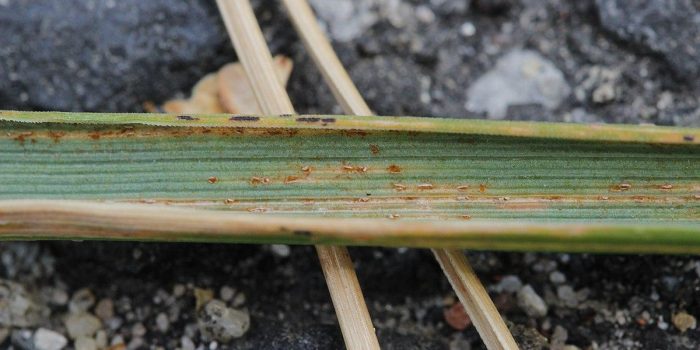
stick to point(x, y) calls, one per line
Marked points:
point(688, 138)
point(482, 188)
point(213, 180)
point(22, 137)
point(623, 186)
point(462, 188)
point(259, 180)
point(56, 135)
point(291, 179)
point(257, 210)
point(399, 187)
point(425, 186)
point(394, 169)
point(354, 168)
point(186, 117)
point(666, 187)
point(374, 149)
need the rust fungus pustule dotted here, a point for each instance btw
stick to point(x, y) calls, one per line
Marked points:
point(259, 180)
point(394, 169)
point(374, 149)
point(56, 135)
point(624, 186)
point(23, 136)
point(666, 187)
point(291, 179)
point(212, 180)
point(462, 187)
point(230, 201)
point(466, 217)
point(306, 169)
point(354, 169)
point(482, 188)
point(393, 216)
point(425, 186)
point(399, 187)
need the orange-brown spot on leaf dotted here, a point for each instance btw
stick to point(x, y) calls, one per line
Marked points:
point(230, 201)
point(56, 135)
point(94, 135)
point(354, 169)
point(666, 187)
point(462, 187)
point(374, 149)
point(23, 136)
point(466, 217)
point(425, 186)
point(620, 187)
point(399, 187)
point(603, 198)
point(394, 169)
point(291, 179)
point(213, 180)
point(363, 200)
point(257, 180)
point(482, 188)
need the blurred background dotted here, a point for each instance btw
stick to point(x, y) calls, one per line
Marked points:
point(551, 60)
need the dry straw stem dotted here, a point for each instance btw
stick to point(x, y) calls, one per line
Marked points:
point(352, 313)
point(472, 294)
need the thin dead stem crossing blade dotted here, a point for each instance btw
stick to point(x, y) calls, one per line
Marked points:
point(456, 267)
point(338, 269)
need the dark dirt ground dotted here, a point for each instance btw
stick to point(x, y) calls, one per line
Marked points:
point(414, 58)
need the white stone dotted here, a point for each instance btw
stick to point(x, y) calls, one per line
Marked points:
point(85, 343)
point(82, 325)
point(186, 343)
point(531, 303)
point(81, 301)
point(467, 29)
point(281, 250)
point(520, 77)
point(509, 284)
point(46, 339)
point(221, 323)
point(346, 19)
point(162, 322)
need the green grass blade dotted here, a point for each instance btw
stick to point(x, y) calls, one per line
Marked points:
point(465, 183)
